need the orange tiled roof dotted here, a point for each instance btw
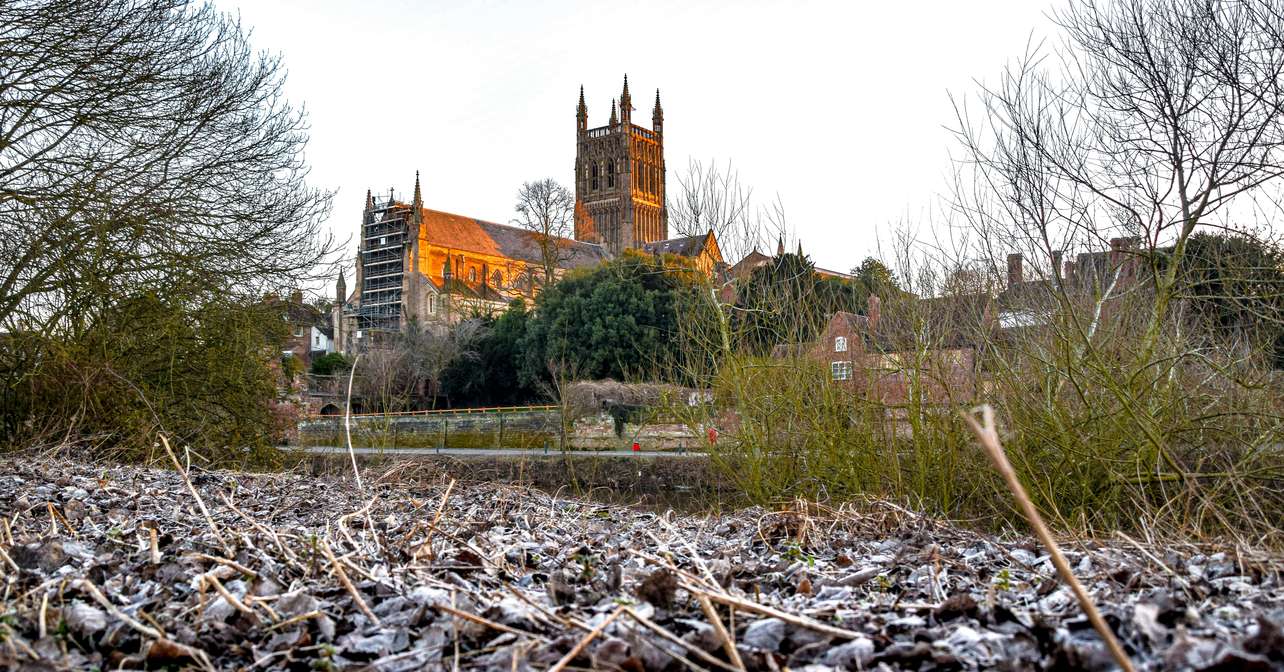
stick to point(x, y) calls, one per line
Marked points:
point(468, 234)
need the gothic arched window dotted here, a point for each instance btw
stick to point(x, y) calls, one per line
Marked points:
point(497, 279)
point(472, 274)
point(610, 173)
point(593, 171)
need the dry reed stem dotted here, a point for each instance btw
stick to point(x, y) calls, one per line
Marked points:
point(347, 583)
point(728, 644)
point(230, 563)
point(564, 620)
point(154, 545)
point(661, 631)
point(218, 534)
point(8, 561)
point(432, 527)
point(347, 425)
point(588, 638)
point(488, 623)
point(190, 651)
point(290, 557)
point(295, 619)
point(228, 596)
point(748, 605)
point(988, 435)
point(89, 587)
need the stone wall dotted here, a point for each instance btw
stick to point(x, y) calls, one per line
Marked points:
point(509, 429)
point(526, 429)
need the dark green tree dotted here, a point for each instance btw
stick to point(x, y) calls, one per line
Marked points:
point(494, 378)
point(612, 321)
point(787, 302)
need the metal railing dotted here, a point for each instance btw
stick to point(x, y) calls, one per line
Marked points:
point(443, 411)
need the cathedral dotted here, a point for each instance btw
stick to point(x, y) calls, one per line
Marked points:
point(433, 267)
point(619, 177)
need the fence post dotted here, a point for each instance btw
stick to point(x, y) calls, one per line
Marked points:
point(501, 430)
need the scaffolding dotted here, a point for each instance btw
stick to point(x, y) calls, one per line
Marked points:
point(384, 236)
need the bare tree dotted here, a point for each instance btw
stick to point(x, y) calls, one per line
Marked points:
point(547, 209)
point(407, 371)
point(142, 140)
point(710, 197)
point(1152, 122)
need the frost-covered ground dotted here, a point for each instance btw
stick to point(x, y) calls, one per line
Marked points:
point(118, 567)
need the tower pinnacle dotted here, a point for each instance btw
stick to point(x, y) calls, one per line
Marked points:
point(614, 119)
point(419, 199)
point(626, 103)
point(581, 113)
point(657, 115)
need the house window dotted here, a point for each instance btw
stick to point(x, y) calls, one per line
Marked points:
point(298, 332)
point(840, 344)
point(840, 370)
point(432, 304)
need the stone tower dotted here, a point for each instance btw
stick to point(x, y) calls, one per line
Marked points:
point(619, 177)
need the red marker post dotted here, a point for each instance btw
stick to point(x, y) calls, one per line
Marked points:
point(636, 447)
point(713, 435)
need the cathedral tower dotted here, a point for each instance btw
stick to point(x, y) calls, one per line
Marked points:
point(619, 177)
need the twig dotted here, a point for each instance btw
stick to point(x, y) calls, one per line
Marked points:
point(432, 527)
point(659, 630)
point(748, 605)
point(988, 435)
point(89, 587)
point(228, 596)
point(728, 644)
point(565, 621)
point(9, 561)
point(592, 634)
point(1142, 549)
point(295, 619)
point(196, 495)
point(230, 563)
point(347, 584)
point(487, 622)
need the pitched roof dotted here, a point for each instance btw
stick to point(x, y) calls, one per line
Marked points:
point(687, 246)
point(468, 234)
point(751, 261)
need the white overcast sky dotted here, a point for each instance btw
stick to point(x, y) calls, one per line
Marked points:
point(841, 108)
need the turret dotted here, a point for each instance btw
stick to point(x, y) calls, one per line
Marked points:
point(657, 115)
point(581, 114)
point(626, 104)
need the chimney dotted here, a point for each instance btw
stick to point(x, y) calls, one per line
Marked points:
point(872, 313)
point(1116, 244)
point(296, 296)
point(1056, 263)
point(1071, 273)
point(1015, 276)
